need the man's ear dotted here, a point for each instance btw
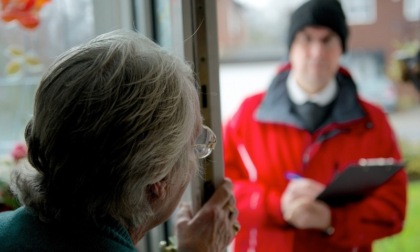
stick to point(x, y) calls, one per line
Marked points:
point(157, 191)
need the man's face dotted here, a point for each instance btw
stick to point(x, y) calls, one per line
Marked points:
point(315, 54)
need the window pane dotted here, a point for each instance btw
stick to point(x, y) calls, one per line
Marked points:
point(27, 48)
point(412, 10)
point(360, 11)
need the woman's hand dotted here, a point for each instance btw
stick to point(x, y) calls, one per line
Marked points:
point(213, 227)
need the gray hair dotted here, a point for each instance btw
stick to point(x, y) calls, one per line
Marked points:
point(111, 117)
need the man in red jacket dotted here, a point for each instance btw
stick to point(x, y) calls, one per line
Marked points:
point(310, 122)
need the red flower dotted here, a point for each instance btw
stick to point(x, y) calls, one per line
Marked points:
point(20, 151)
point(26, 12)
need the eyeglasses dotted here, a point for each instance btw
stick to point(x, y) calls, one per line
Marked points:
point(206, 142)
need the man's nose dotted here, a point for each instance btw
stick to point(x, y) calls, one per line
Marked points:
point(317, 49)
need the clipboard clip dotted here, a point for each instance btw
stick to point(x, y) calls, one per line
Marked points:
point(377, 161)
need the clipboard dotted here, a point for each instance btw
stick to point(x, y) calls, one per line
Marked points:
point(359, 180)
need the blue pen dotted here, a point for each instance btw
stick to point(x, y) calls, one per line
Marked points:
point(292, 175)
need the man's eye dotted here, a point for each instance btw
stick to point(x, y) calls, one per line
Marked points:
point(327, 40)
point(307, 38)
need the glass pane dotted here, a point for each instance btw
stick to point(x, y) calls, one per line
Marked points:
point(168, 25)
point(412, 10)
point(253, 44)
point(31, 37)
point(359, 11)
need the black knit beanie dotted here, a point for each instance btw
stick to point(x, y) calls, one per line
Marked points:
point(326, 13)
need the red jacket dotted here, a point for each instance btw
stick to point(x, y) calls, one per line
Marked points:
point(264, 140)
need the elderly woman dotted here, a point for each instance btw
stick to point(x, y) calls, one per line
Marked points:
point(114, 140)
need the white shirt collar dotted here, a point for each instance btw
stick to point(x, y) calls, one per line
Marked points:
point(299, 96)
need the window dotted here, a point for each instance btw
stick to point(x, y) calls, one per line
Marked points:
point(359, 12)
point(27, 48)
point(411, 10)
point(168, 25)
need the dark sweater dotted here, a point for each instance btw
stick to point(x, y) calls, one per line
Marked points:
point(20, 230)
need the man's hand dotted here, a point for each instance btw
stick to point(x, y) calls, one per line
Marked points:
point(300, 208)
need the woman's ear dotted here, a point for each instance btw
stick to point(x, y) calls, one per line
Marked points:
point(157, 191)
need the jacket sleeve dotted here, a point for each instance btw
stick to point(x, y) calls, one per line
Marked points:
point(383, 212)
point(257, 204)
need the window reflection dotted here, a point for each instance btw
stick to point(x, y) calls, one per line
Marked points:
point(26, 49)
